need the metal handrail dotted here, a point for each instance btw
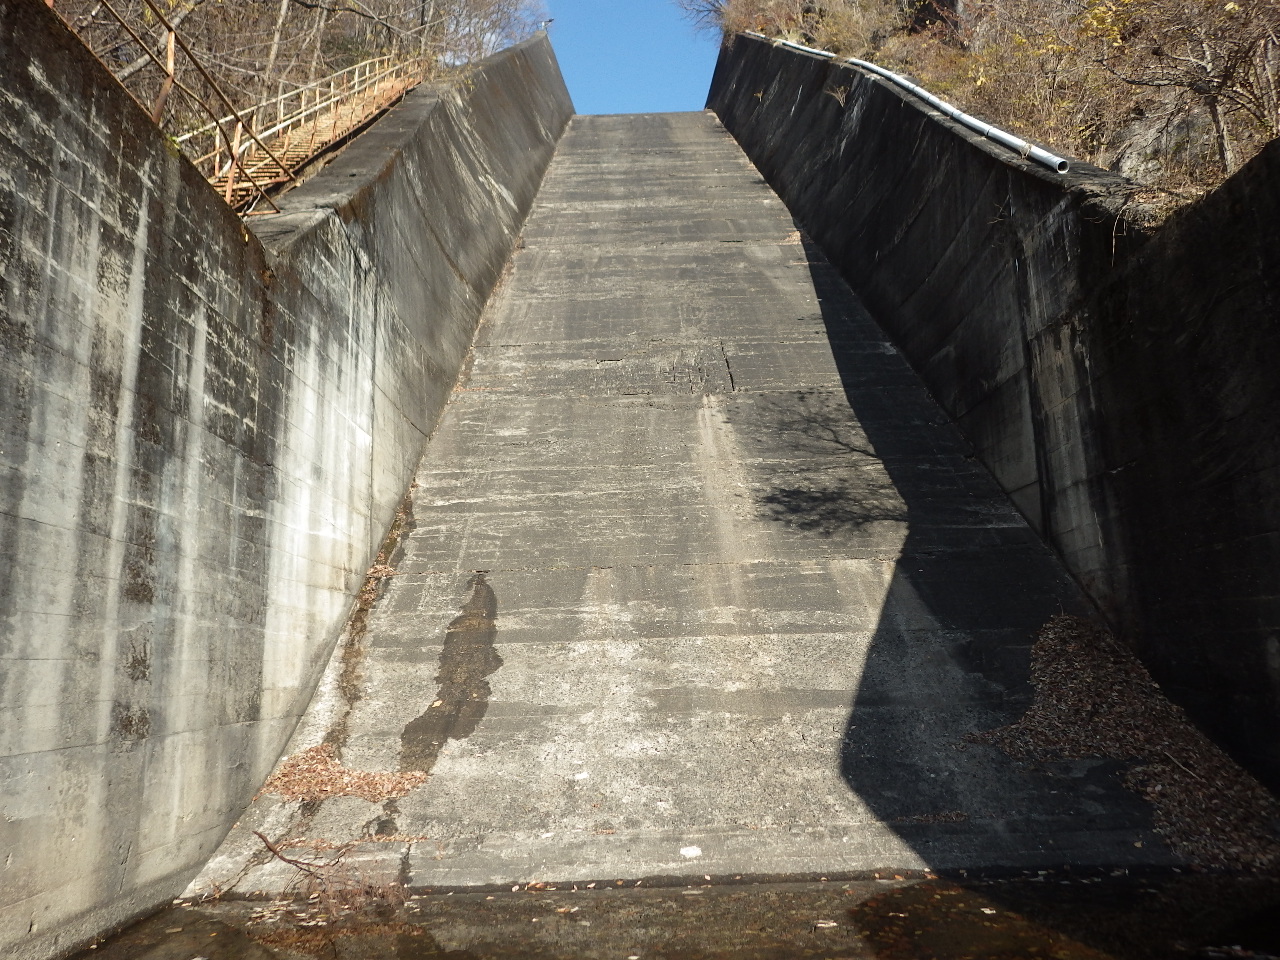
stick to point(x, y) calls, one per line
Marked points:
point(173, 43)
point(342, 87)
point(277, 101)
point(1017, 144)
point(236, 148)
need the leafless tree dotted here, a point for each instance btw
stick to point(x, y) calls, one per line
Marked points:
point(1224, 57)
point(256, 49)
point(1180, 92)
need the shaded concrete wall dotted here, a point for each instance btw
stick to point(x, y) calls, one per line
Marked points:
point(1122, 390)
point(206, 433)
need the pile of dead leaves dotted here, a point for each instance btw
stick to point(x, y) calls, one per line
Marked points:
point(316, 774)
point(1095, 700)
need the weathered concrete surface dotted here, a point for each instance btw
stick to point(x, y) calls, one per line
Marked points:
point(1121, 391)
point(203, 443)
point(702, 578)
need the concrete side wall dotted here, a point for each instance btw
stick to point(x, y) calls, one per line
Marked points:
point(205, 435)
point(1184, 400)
point(1122, 391)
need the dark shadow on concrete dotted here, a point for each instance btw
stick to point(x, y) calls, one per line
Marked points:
point(837, 503)
point(951, 653)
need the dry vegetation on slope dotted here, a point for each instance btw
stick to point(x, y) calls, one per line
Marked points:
point(1174, 93)
point(1095, 700)
point(258, 49)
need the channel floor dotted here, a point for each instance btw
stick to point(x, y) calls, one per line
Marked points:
point(695, 579)
point(1043, 915)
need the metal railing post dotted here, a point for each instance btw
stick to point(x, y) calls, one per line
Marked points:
point(235, 163)
point(157, 109)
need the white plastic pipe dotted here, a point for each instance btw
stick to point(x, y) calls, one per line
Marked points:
point(1017, 144)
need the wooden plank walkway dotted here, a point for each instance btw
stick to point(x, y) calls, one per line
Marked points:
point(296, 147)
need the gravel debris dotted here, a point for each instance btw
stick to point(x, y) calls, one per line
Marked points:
point(316, 774)
point(1094, 699)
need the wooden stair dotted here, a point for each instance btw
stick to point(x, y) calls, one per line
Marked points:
point(296, 147)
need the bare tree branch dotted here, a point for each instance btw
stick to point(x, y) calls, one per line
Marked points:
point(124, 73)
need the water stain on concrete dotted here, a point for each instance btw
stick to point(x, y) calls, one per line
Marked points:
point(130, 721)
point(138, 663)
point(468, 657)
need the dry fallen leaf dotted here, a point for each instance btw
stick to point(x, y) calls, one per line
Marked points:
point(1095, 699)
point(315, 774)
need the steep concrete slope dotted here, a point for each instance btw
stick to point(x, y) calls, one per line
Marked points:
point(697, 578)
point(1122, 391)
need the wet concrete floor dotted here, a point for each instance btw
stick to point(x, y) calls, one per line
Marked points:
point(1040, 916)
point(695, 580)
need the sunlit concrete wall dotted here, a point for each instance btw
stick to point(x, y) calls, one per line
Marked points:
point(1120, 386)
point(206, 430)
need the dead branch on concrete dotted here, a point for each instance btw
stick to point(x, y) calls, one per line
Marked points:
point(310, 869)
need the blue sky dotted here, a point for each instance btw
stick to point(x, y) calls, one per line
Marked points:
point(631, 56)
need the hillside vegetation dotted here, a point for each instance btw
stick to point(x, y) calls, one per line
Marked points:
point(1176, 94)
point(256, 49)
